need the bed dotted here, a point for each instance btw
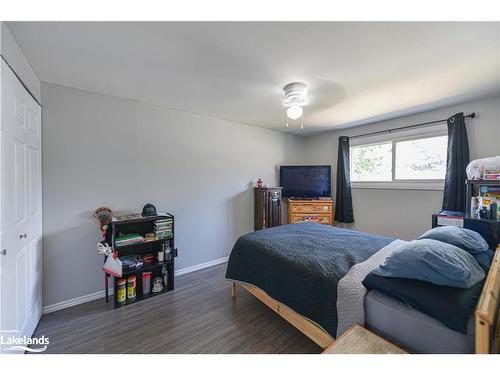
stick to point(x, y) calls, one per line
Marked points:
point(293, 270)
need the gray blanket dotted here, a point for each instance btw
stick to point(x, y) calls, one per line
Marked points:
point(351, 291)
point(300, 265)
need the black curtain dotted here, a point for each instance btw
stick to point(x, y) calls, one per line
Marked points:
point(456, 162)
point(343, 198)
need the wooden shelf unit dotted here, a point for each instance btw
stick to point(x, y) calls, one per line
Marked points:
point(313, 210)
point(142, 226)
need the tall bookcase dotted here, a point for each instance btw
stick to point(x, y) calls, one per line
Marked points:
point(142, 226)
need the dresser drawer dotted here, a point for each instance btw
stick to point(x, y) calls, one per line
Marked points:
point(313, 218)
point(313, 208)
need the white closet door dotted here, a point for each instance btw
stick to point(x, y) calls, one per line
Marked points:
point(21, 207)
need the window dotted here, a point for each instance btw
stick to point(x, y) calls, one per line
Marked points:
point(372, 162)
point(403, 160)
point(421, 159)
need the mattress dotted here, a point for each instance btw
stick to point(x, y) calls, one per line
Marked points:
point(413, 330)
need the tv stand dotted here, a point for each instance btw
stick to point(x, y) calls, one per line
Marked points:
point(310, 210)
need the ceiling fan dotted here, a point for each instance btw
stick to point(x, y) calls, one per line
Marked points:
point(319, 94)
point(294, 101)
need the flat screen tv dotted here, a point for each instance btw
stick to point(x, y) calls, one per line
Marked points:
point(306, 181)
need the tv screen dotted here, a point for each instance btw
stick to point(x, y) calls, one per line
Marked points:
point(306, 181)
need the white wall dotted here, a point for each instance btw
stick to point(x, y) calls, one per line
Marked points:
point(100, 150)
point(12, 53)
point(407, 213)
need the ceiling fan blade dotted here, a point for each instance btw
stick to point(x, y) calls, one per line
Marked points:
point(324, 94)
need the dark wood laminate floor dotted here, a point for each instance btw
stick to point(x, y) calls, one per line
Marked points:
point(198, 317)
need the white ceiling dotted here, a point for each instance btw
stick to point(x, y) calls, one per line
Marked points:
point(358, 72)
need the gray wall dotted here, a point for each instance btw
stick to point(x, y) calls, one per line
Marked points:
point(100, 150)
point(12, 53)
point(407, 213)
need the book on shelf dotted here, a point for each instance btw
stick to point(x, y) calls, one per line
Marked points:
point(165, 217)
point(163, 225)
point(165, 229)
point(126, 217)
point(127, 239)
point(163, 220)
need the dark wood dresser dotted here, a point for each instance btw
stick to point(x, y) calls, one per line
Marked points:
point(267, 207)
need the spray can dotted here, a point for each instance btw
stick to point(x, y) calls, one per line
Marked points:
point(131, 288)
point(121, 292)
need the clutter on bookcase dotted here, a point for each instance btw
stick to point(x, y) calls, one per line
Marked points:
point(139, 255)
point(483, 199)
point(481, 212)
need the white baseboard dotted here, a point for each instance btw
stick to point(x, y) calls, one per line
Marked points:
point(74, 301)
point(101, 294)
point(201, 266)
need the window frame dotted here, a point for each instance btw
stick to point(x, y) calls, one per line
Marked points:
point(395, 137)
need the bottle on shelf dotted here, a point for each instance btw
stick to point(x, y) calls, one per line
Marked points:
point(164, 273)
point(131, 288)
point(168, 252)
point(121, 294)
point(146, 283)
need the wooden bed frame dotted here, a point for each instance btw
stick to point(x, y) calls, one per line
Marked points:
point(486, 312)
point(306, 326)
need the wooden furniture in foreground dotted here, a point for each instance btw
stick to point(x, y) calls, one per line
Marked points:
point(358, 340)
point(316, 211)
point(267, 207)
point(488, 311)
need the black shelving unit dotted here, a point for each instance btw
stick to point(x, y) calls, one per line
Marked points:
point(490, 228)
point(474, 185)
point(142, 226)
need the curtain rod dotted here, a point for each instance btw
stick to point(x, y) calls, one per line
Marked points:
point(472, 115)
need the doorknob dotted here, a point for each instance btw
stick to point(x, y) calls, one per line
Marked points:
point(23, 236)
point(4, 252)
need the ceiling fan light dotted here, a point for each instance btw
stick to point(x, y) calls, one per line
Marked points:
point(294, 112)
